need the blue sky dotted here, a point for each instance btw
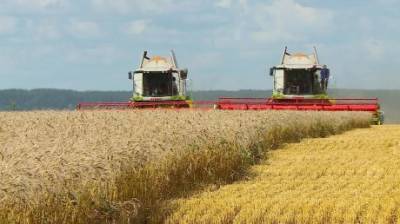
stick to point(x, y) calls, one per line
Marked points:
point(226, 44)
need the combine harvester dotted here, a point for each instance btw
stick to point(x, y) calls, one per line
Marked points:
point(301, 83)
point(157, 83)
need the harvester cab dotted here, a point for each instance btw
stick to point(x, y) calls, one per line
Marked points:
point(159, 79)
point(300, 76)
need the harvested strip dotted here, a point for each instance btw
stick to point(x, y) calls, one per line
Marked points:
point(349, 178)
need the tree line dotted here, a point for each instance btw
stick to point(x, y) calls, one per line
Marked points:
point(56, 99)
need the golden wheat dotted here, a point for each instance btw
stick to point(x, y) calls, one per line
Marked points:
point(41, 150)
point(350, 178)
point(45, 154)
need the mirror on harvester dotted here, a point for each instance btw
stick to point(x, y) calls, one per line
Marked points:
point(271, 71)
point(184, 72)
point(130, 75)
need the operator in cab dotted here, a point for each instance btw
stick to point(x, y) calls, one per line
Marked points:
point(324, 77)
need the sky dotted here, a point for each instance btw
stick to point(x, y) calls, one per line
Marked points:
point(225, 44)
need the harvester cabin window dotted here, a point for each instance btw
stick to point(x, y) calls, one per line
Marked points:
point(301, 82)
point(158, 84)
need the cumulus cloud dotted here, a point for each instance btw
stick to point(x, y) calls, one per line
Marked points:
point(132, 6)
point(374, 48)
point(137, 27)
point(253, 23)
point(386, 2)
point(31, 5)
point(288, 20)
point(8, 24)
point(43, 30)
point(241, 29)
point(103, 54)
point(150, 32)
point(84, 29)
point(223, 3)
point(39, 3)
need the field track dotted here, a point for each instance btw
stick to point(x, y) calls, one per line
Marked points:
point(348, 178)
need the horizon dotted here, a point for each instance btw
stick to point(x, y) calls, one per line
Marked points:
point(201, 90)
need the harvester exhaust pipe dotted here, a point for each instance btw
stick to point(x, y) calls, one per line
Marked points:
point(175, 61)
point(284, 54)
point(316, 55)
point(144, 56)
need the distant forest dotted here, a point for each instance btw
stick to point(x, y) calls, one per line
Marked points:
point(43, 99)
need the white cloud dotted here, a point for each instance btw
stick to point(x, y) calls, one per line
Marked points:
point(132, 6)
point(31, 5)
point(84, 29)
point(147, 31)
point(205, 60)
point(8, 25)
point(223, 3)
point(253, 23)
point(41, 30)
point(137, 27)
point(243, 30)
point(375, 49)
point(39, 3)
point(287, 20)
point(103, 54)
point(386, 2)
point(46, 30)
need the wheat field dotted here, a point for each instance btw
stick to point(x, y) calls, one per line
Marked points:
point(42, 150)
point(76, 167)
point(348, 178)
